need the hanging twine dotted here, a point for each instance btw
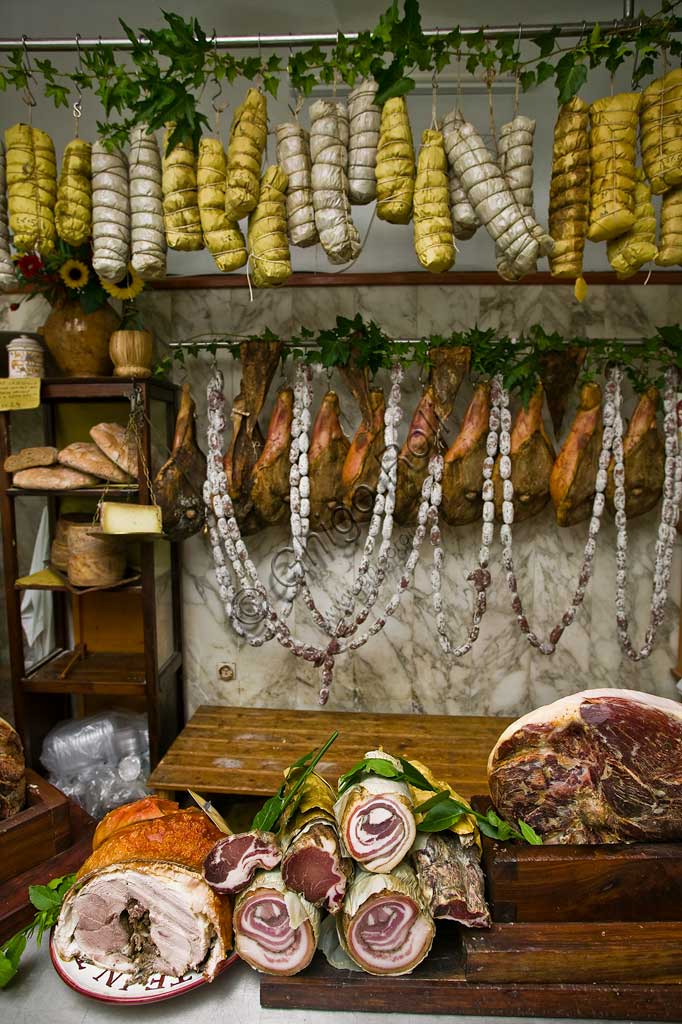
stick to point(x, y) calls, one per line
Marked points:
point(434, 102)
point(489, 79)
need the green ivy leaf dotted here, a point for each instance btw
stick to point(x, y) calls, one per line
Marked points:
point(570, 79)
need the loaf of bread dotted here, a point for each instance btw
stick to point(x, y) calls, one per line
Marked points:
point(118, 445)
point(54, 478)
point(12, 771)
point(27, 458)
point(89, 458)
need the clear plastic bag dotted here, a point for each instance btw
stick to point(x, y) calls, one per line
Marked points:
point(100, 762)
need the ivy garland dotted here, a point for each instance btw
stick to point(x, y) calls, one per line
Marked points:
point(519, 360)
point(165, 75)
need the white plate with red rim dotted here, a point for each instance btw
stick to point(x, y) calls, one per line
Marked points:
point(115, 987)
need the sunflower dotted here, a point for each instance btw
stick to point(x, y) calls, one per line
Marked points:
point(74, 274)
point(129, 287)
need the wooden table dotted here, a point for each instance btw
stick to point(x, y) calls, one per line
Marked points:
point(243, 751)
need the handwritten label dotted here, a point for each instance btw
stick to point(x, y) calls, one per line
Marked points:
point(19, 393)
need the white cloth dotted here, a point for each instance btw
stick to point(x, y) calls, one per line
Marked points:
point(37, 612)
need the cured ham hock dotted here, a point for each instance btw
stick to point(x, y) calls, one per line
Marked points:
point(178, 486)
point(602, 766)
point(572, 482)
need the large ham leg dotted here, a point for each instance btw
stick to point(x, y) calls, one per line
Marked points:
point(385, 927)
point(643, 459)
point(270, 477)
point(259, 361)
point(326, 456)
point(532, 459)
point(572, 482)
point(375, 819)
point(360, 471)
point(178, 486)
point(275, 930)
point(602, 766)
point(234, 860)
point(463, 463)
point(558, 373)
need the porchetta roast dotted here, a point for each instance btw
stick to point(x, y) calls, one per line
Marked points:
point(140, 904)
point(602, 766)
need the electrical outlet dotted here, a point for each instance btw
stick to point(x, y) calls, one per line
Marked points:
point(226, 673)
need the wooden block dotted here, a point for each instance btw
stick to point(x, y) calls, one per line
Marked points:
point(28, 458)
point(40, 831)
point(614, 951)
point(440, 986)
point(16, 910)
point(638, 882)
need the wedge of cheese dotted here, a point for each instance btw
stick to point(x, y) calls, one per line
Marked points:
point(119, 519)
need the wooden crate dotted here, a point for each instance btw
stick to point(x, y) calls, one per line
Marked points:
point(37, 833)
point(641, 882)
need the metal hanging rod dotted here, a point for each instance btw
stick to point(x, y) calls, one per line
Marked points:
point(570, 29)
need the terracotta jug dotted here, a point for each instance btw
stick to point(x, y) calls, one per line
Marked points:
point(79, 341)
point(131, 353)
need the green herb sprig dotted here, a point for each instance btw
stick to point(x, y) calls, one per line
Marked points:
point(270, 815)
point(47, 899)
point(163, 77)
point(441, 811)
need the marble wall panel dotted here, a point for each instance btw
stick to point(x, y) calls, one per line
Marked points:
point(403, 668)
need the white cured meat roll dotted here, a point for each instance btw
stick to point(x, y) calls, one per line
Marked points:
point(365, 122)
point(275, 930)
point(110, 213)
point(385, 927)
point(375, 819)
point(147, 233)
point(293, 156)
point(329, 152)
point(465, 223)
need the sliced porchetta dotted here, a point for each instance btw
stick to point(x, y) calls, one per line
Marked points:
point(385, 926)
point(313, 863)
point(234, 860)
point(145, 917)
point(141, 906)
point(601, 766)
point(275, 929)
point(375, 819)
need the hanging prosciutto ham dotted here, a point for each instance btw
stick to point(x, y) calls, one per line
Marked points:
point(463, 463)
point(270, 477)
point(385, 927)
point(313, 864)
point(141, 906)
point(375, 819)
point(275, 929)
point(573, 477)
point(234, 860)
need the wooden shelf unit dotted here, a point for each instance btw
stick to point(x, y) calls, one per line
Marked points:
point(41, 696)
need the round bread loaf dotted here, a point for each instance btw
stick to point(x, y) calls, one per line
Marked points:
point(89, 458)
point(54, 478)
point(118, 445)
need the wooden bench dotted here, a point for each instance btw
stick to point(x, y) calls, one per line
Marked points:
point(243, 751)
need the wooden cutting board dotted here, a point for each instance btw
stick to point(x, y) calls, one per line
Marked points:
point(245, 750)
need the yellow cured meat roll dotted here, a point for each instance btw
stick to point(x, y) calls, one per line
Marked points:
point(222, 236)
point(73, 210)
point(670, 241)
point(268, 242)
point(569, 191)
point(613, 151)
point(245, 155)
point(7, 278)
point(433, 237)
point(180, 206)
point(660, 126)
point(630, 251)
point(395, 170)
point(31, 188)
